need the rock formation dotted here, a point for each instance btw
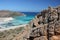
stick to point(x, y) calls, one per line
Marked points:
point(46, 25)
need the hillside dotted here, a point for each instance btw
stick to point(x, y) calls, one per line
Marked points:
point(7, 13)
point(45, 26)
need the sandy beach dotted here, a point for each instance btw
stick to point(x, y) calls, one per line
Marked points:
point(8, 19)
point(13, 27)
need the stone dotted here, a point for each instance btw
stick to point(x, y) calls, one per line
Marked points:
point(41, 38)
point(51, 29)
point(57, 28)
point(55, 38)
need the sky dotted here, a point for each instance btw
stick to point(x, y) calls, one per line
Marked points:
point(27, 5)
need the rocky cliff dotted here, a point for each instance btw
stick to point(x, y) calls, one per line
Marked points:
point(46, 25)
point(7, 13)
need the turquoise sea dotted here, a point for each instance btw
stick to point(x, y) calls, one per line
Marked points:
point(19, 20)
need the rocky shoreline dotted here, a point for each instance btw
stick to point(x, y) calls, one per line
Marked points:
point(45, 26)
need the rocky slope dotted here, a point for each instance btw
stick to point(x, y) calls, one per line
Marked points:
point(7, 13)
point(46, 25)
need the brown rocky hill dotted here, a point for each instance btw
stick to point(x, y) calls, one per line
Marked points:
point(46, 25)
point(7, 13)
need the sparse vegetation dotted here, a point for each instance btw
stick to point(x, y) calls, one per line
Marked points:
point(10, 34)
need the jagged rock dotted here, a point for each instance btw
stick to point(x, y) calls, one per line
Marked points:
point(51, 29)
point(46, 25)
point(57, 28)
point(45, 29)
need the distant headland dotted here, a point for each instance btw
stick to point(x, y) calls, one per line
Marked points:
point(7, 13)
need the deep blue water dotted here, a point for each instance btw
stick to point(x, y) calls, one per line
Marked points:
point(19, 20)
point(30, 13)
point(24, 19)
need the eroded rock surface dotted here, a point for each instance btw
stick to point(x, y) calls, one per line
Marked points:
point(46, 25)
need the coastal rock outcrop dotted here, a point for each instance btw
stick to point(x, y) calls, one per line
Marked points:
point(46, 25)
